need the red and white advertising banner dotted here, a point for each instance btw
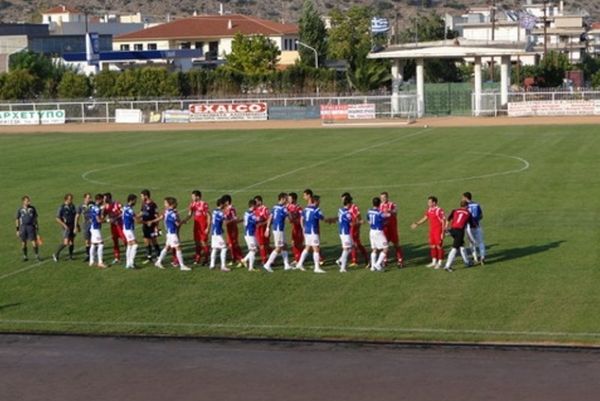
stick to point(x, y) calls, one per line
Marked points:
point(228, 112)
point(556, 108)
point(362, 111)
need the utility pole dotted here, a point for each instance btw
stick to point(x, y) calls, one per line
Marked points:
point(545, 29)
point(493, 18)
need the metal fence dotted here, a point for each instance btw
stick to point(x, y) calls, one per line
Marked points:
point(491, 105)
point(89, 111)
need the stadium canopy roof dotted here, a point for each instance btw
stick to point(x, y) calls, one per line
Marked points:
point(459, 48)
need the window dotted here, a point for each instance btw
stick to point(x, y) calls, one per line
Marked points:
point(152, 46)
point(185, 45)
point(199, 45)
point(138, 47)
point(124, 48)
point(49, 18)
point(290, 45)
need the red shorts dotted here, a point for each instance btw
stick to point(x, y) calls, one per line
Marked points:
point(116, 231)
point(200, 234)
point(232, 235)
point(355, 234)
point(391, 233)
point(260, 236)
point(435, 237)
point(297, 235)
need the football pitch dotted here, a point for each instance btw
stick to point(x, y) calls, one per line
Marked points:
point(538, 186)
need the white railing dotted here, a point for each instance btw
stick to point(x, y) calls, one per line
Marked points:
point(87, 111)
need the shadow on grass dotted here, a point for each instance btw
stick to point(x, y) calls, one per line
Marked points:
point(504, 255)
point(6, 306)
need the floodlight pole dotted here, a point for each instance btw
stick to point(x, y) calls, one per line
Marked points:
point(316, 58)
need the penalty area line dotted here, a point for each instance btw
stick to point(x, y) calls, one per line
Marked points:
point(355, 329)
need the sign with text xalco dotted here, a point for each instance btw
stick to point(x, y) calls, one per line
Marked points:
point(229, 112)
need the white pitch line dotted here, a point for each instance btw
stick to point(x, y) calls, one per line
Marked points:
point(311, 328)
point(33, 266)
point(311, 166)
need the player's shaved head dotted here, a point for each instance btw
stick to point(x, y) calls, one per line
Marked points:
point(376, 202)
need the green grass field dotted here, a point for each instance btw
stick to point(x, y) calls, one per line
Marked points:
point(539, 187)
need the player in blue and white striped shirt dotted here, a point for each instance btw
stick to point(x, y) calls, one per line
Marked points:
point(474, 229)
point(129, 219)
point(172, 223)
point(344, 221)
point(379, 243)
point(96, 240)
point(217, 242)
point(250, 222)
point(311, 217)
point(276, 223)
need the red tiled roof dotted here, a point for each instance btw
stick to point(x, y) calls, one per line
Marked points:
point(62, 9)
point(211, 26)
point(596, 25)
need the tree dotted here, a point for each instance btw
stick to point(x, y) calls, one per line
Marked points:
point(105, 84)
point(350, 40)
point(74, 86)
point(552, 69)
point(127, 83)
point(596, 80)
point(253, 56)
point(18, 85)
point(313, 33)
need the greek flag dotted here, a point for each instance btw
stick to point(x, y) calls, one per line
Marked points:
point(527, 21)
point(379, 25)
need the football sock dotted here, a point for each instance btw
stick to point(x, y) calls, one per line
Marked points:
point(380, 260)
point(206, 250)
point(100, 253)
point(36, 250)
point(286, 258)
point(223, 257)
point(162, 255)
point(451, 257)
point(374, 258)
point(71, 250)
point(364, 253)
point(24, 249)
point(134, 249)
point(316, 259)
point(463, 254)
point(179, 255)
point(213, 257)
point(482, 250)
point(344, 258)
point(59, 249)
point(92, 252)
point(303, 256)
point(149, 251)
point(399, 254)
point(440, 253)
point(251, 257)
point(87, 251)
point(434, 253)
point(156, 250)
point(272, 257)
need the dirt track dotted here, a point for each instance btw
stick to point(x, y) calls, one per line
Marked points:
point(76, 368)
point(284, 124)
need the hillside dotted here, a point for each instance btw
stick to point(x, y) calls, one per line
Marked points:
point(287, 10)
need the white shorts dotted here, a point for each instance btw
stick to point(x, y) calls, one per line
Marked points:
point(172, 240)
point(346, 241)
point(217, 242)
point(279, 239)
point(96, 236)
point(251, 242)
point(378, 240)
point(312, 240)
point(129, 235)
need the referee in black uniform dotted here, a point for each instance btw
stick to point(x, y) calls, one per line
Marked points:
point(27, 227)
point(65, 217)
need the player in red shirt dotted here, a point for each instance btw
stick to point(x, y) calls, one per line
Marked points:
point(262, 213)
point(355, 231)
point(435, 216)
point(457, 222)
point(295, 212)
point(199, 211)
point(391, 225)
point(113, 211)
point(231, 224)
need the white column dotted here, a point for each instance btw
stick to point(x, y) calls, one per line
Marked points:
point(478, 86)
point(504, 80)
point(397, 79)
point(420, 87)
